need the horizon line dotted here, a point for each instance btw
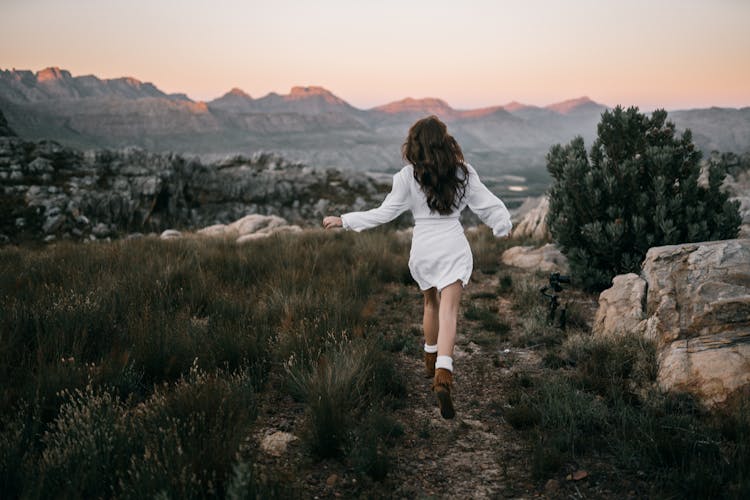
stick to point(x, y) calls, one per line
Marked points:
point(648, 108)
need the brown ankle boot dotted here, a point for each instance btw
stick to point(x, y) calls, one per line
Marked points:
point(429, 364)
point(442, 386)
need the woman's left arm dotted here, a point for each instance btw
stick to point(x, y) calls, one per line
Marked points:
point(487, 206)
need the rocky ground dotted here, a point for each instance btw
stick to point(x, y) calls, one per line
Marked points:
point(476, 455)
point(51, 192)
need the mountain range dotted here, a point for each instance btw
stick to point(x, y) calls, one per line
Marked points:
point(311, 124)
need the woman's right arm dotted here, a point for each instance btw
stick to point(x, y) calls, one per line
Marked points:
point(396, 203)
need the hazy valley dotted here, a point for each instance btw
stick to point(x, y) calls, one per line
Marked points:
point(312, 125)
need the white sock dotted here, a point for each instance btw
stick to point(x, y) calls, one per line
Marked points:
point(445, 362)
point(432, 349)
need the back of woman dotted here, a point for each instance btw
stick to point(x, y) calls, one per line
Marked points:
point(436, 185)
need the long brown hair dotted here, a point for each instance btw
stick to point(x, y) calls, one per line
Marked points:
point(436, 158)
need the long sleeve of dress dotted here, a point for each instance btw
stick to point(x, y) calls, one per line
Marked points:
point(487, 206)
point(394, 205)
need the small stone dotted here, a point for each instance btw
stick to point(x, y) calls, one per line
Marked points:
point(579, 475)
point(331, 481)
point(552, 486)
point(276, 444)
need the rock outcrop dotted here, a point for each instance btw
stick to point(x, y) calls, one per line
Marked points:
point(621, 307)
point(546, 258)
point(51, 192)
point(693, 300)
point(533, 221)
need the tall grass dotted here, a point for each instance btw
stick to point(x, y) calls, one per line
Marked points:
point(604, 401)
point(131, 368)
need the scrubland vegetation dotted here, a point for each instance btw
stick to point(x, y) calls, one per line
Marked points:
point(133, 368)
point(136, 369)
point(595, 399)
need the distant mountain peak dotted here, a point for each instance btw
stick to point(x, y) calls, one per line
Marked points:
point(238, 92)
point(515, 106)
point(569, 105)
point(52, 73)
point(133, 82)
point(306, 92)
point(424, 105)
point(309, 91)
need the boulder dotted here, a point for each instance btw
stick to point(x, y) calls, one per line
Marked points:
point(546, 258)
point(250, 228)
point(621, 308)
point(255, 223)
point(215, 230)
point(696, 310)
point(170, 234)
point(268, 231)
point(533, 223)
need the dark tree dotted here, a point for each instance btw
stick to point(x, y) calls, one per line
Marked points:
point(637, 188)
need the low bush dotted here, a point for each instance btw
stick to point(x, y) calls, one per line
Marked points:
point(347, 380)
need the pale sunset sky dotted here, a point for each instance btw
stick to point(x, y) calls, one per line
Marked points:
point(674, 54)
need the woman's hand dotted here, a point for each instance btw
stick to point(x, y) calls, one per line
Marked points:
point(332, 221)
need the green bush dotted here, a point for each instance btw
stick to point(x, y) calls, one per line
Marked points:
point(637, 188)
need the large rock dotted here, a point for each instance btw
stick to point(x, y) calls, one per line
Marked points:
point(621, 308)
point(533, 223)
point(546, 258)
point(697, 310)
point(250, 228)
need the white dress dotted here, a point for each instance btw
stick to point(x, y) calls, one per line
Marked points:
point(440, 253)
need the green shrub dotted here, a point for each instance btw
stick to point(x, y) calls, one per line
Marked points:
point(637, 188)
point(85, 445)
point(349, 383)
point(333, 386)
point(189, 435)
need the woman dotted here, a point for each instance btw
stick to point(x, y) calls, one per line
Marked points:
point(436, 186)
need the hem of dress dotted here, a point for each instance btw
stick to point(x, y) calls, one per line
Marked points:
point(464, 283)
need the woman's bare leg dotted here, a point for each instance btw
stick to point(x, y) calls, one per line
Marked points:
point(430, 320)
point(450, 297)
point(430, 325)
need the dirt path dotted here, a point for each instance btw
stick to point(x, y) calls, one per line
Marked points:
point(475, 455)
